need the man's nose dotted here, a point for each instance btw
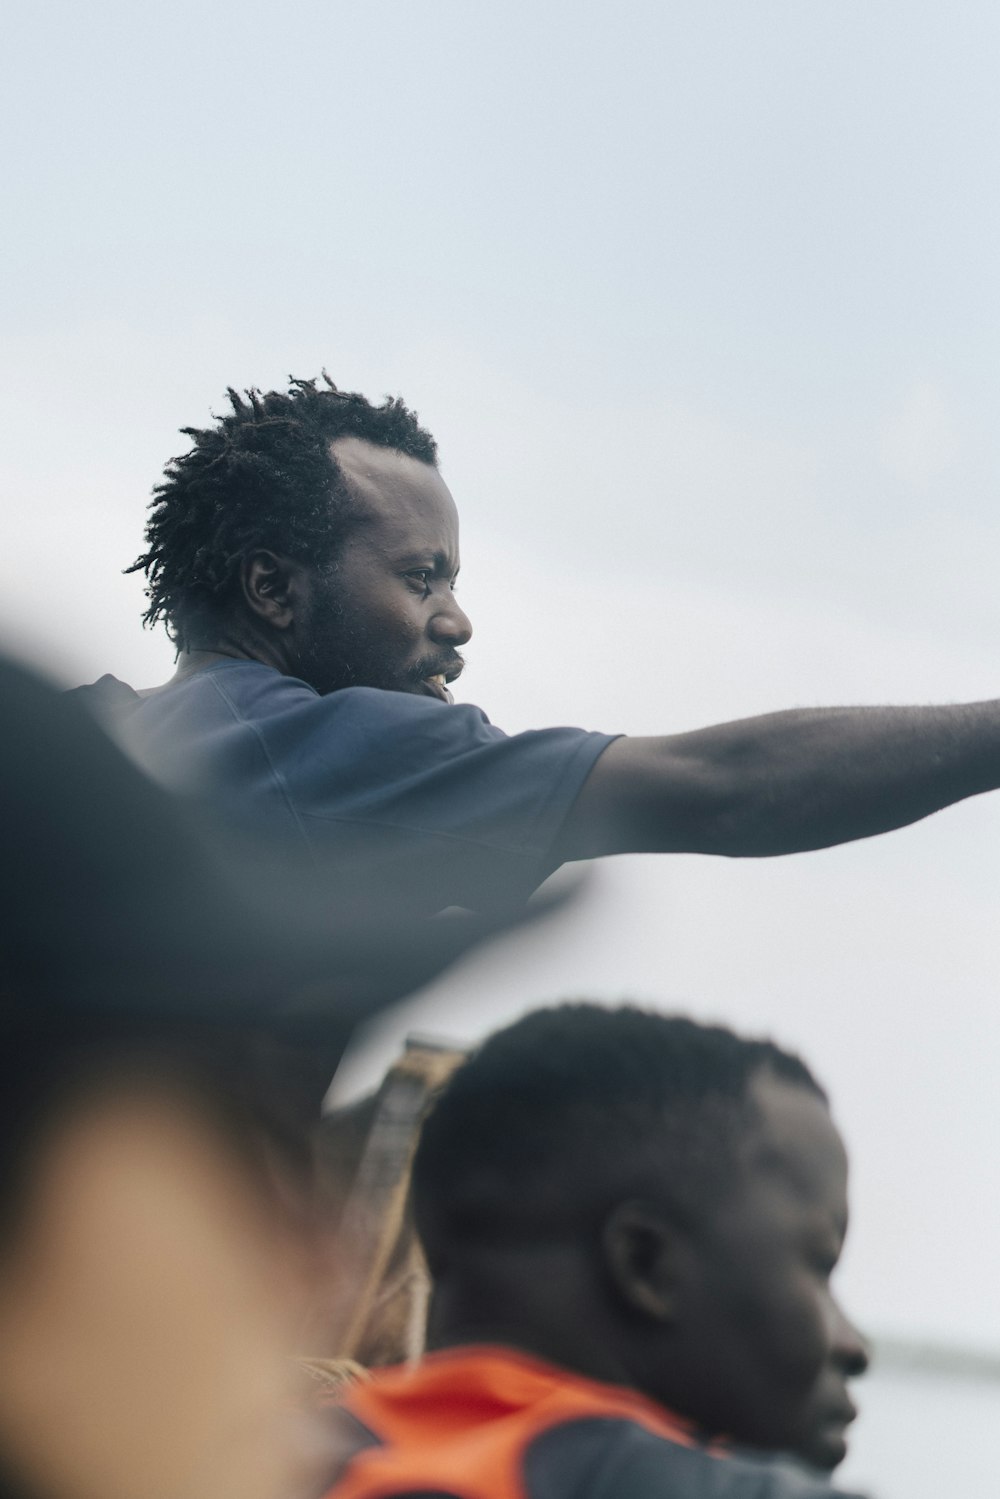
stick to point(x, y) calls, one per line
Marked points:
point(851, 1350)
point(450, 625)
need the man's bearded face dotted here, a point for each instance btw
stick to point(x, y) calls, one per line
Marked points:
point(384, 614)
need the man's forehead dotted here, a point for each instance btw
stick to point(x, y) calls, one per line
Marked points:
point(793, 1137)
point(405, 508)
point(379, 475)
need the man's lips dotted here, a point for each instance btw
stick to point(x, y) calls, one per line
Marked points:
point(830, 1437)
point(437, 686)
point(839, 1420)
point(436, 683)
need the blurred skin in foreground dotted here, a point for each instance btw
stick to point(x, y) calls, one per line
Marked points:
point(151, 1284)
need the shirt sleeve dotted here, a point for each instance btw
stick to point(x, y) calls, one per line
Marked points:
point(429, 797)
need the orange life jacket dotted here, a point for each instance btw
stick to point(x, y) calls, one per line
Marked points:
point(461, 1422)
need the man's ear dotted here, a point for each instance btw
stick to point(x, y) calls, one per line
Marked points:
point(640, 1256)
point(267, 582)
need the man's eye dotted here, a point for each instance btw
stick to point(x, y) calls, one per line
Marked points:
point(421, 576)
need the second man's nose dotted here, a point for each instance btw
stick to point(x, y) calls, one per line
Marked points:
point(851, 1350)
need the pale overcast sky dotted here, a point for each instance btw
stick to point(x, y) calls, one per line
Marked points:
point(700, 301)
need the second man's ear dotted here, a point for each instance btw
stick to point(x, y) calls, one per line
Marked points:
point(267, 583)
point(639, 1255)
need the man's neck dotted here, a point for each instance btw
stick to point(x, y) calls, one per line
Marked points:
point(194, 659)
point(550, 1327)
point(197, 659)
point(234, 639)
point(563, 1355)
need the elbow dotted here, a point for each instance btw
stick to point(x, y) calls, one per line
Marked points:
point(729, 813)
point(707, 809)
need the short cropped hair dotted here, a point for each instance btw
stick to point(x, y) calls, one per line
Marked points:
point(573, 1109)
point(261, 476)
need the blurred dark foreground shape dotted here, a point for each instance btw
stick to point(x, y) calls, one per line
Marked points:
point(171, 1010)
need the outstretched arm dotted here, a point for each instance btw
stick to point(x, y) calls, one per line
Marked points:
point(784, 782)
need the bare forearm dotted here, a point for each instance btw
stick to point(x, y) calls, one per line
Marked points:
point(787, 782)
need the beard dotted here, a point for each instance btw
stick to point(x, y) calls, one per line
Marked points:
point(335, 658)
point(339, 650)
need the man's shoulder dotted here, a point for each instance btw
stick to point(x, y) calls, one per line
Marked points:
point(426, 795)
point(588, 1457)
point(466, 1416)
point(606, 1457)
point(261, 697)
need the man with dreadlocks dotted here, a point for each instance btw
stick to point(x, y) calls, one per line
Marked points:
point(303, 556)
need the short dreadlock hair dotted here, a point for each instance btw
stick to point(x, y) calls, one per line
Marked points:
point(262, 476)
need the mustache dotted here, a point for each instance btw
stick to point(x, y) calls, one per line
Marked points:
point(451, 664)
